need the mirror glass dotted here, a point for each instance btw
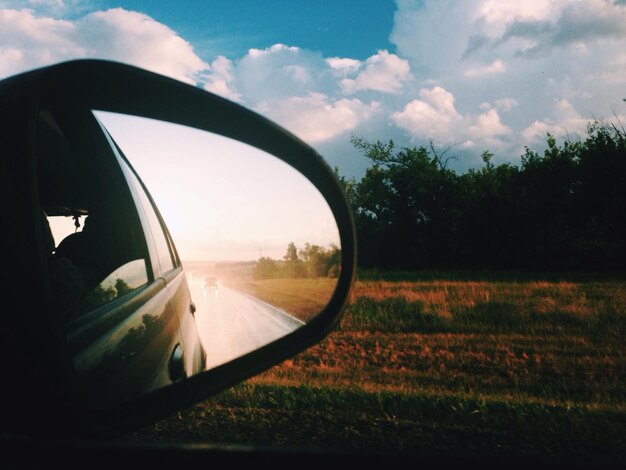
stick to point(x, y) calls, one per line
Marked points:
point(257, 243)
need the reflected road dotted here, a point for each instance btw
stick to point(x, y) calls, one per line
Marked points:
point(231, 323)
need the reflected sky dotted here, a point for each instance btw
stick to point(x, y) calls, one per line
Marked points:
point(222, 200)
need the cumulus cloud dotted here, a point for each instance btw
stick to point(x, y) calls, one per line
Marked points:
point(538, 130)
point(431, 34)
point(115, 34)
point(316, 117)
point(541, 26)
point(27, 41)
point(276, 48)
point(565, 121)
point(506, 104)
point(488, 125)
point(220, 77)
point(432, 116)
point(280, 72)
point(343, 66)
point(133, 37)
point(516, 69)
point(382, 72)
point(435, 117)
point(480, 73)
point(499, 12)
point(497, 66)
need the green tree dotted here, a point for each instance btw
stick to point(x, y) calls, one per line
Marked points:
point(293, 266)
point(122, 287)
point(333, 261)
point(561, 209)
point(265, 268)
point(318, 260)
point(404, 206)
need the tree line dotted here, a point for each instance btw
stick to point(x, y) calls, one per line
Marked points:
point(563, 209)
point(307, 262)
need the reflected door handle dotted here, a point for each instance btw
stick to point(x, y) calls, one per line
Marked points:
point(177, 364)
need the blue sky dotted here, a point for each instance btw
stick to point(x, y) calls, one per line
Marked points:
point(231, 27)
point(469, 76)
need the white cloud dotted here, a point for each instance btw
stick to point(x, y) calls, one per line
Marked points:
point(488, 125)
point(432, 34)
point(539, 26)
point(613, 73)
point(115, 34)
point(496, 14)
point(276, 48)
point(383, 72)
point(433, 116)
point(537, 131)
point(316, 117)
point(497, 66)
point(343, 66)
point(219, 79)
point(503, 104)
point(550, 65)
point(298, 72)
point(506, 104)
point(10, 61)
point(483, 73)
point(39, 40)
point(565, 121)
point(136, 38)
point(280, 72)
point(305, 92)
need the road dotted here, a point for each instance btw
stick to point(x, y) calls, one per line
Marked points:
point(232, 323)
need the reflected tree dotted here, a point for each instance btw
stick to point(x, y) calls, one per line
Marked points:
point(308, 262)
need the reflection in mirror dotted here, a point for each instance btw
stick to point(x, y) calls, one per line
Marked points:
point(120, 282)
point(258, 245)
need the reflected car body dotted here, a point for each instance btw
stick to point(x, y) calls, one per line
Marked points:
point(118, 286)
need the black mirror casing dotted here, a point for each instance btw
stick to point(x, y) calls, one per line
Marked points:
point(39, 392)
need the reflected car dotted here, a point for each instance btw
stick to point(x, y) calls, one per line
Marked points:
point(118, 285)
point(210, 282)
point(102, 334)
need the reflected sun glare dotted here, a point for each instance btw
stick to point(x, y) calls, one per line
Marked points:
point(222, 200)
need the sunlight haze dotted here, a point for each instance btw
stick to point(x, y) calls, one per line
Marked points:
point(222, 200)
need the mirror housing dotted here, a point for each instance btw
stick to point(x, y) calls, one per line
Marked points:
point(42, 396)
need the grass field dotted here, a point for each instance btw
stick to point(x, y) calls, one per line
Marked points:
point(531, 366)
point(302, 298)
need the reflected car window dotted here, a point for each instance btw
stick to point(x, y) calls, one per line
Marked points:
point(120, 282)
point(161, 245)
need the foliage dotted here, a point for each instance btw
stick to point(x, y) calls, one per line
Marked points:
point(560, 210)
point(265, 268)
point(101, 295)
point(308, 262)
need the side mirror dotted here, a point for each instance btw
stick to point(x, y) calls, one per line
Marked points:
point(119, 342)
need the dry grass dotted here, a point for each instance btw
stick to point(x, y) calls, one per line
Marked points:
point(517, 368)
point(445, 297)
point(302, 298)
point(532, 366)
point(548, 342)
